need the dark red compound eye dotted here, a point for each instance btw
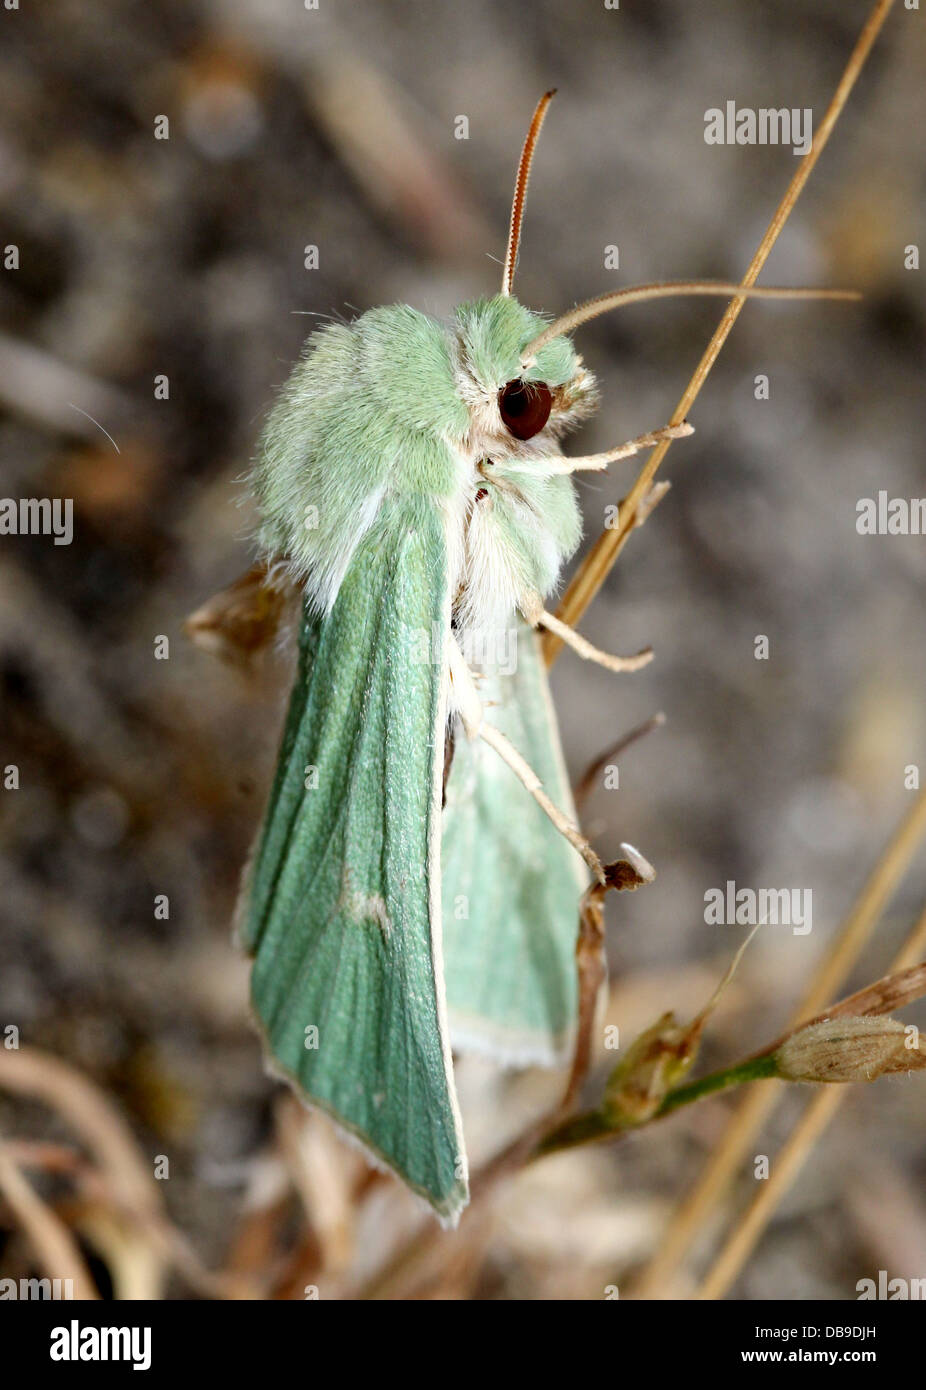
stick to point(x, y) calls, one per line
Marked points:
point(525, 407)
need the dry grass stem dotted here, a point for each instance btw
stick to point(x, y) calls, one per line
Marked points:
point(590, 776)
point(790, 1160)
point(122, 1176)
point(55, 1247)
point(597, 564)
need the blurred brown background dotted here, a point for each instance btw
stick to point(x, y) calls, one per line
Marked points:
point(140, 257)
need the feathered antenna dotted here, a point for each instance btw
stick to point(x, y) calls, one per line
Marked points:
point(520, 189)
point(664, 289)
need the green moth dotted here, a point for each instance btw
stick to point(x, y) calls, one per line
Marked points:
point(415, 885)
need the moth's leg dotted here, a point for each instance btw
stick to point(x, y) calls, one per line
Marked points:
point(526, 774)
point(470, 709)
point(623, 451)
point(535, 613)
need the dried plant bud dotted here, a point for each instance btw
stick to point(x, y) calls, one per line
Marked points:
point(659, 1059)
point(850, 1049)
point(656, 1062)
point(630, 872)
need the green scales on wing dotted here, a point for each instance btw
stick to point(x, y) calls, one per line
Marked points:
point(343, 909)
point(511, 883)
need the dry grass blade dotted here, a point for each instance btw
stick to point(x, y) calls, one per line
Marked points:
point(376, 131)
point(791, 1159)
point(866, 911)
point(597, 564)
point(787, 1165)
point(892, 992)
point(38, 1075)
point(51, 1240)
point(126, 1179)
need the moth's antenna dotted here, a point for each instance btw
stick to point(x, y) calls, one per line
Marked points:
point(520, 189)
point(663, 290)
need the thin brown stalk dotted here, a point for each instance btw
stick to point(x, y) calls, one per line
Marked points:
point(787, 1165)
point(594, 770)
point(891, 992)
point(592, 971)
point(792, 1157)
point(42, 1077)
point(597, 564)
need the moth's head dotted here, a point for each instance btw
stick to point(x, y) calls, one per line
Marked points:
point(522, 382)
point(514, 396)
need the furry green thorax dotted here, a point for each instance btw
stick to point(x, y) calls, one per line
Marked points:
point(400, 408)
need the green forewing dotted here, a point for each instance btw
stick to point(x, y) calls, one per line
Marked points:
point(343, 904)
point(511, 882)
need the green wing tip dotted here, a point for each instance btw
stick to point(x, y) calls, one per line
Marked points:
point(450, 1210)
point(447, 1207)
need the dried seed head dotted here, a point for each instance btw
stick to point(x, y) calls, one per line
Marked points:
point(850, 1049)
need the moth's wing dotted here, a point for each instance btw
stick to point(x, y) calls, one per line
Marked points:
point(511, 882)
point(342, 905)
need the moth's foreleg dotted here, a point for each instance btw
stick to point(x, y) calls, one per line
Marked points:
point(595, 462)
point(535, 613)
point(469, 707)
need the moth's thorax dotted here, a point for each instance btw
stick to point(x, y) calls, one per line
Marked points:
point(396, 413)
